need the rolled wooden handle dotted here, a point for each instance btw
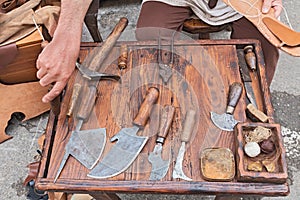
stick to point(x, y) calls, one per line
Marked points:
point(146, 107)
point(166, 121)
point(235, 91)
point(188, 126)
point(94, 59)
point(250, 57)
point(87, 103)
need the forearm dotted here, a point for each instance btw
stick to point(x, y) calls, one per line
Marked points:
point(71, 19)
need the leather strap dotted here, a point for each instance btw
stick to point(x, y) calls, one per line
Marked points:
point(9, 5)
point(7, 54)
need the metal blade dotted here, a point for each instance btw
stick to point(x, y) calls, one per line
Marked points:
point(178, 172)
point(224, 121)
point(159, 166)
point(85, 146)
point(250, 93)
point(121, 155)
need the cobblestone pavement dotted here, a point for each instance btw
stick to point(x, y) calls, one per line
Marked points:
point(285, 92)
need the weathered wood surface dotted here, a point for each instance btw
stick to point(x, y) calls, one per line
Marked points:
point(202, 73)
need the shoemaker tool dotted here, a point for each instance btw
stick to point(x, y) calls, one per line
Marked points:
point(129, 144)
point(165, 70)
point(189, 123)
point(250, 96)
point(226, 120)
point(86, 146)
point(159, 166)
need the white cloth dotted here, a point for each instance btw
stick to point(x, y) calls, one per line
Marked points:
point(221, 14)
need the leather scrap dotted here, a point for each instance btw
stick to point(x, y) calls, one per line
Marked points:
point(7, 54)
point(9, 5)
point(18, 23)
point(252, 11)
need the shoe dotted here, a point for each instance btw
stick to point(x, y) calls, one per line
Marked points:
point(267, 24)
point(283, 32)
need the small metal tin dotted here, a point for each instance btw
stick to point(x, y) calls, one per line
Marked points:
point(217, 164)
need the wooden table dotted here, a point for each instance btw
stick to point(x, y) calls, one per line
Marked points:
point(202, 73)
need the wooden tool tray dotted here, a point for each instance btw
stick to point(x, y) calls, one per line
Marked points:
point(202, 73)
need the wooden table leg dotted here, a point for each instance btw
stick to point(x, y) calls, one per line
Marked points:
point(105, 196)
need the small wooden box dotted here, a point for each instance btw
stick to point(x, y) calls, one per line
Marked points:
point(243, 174)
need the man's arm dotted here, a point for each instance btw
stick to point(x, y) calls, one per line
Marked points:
point(275, 4)
point(57, 61)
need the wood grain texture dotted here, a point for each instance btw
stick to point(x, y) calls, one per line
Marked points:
point(202, 73)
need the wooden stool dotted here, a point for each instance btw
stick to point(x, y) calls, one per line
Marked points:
point(197, 26)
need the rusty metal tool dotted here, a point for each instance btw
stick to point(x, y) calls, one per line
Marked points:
point(128, 144)
point(226, 120)
point(189, 123)
point(86, 146)
point(159, 166)
point(244, 71)
point(250, 96)
point(165, 70)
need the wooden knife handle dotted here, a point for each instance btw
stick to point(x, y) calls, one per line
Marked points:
point(165, 122)
point(145, 109)
point(99, 54)
point(188, 126)
point(87, 102)
point(74, 98)
point(235, 91)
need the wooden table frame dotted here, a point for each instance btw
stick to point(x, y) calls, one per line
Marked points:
point(106, 189)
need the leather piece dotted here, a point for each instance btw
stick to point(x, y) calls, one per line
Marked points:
point(7, 54)
point(9, 5)
point(18, 23)
point(252, 11)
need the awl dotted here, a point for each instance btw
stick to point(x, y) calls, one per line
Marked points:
point(185, 138)
point(226, 120)
point(128, 144)
point(250, 96)
point(159, 166)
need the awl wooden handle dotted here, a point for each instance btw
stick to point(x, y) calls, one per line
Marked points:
point(94, 60)
point(166, 121)
point(146, 107)
point(188, 126)
point(235, 91)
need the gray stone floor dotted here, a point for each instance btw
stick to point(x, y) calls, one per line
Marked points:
point(19, 151)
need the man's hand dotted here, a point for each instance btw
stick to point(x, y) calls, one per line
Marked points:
point(275, 4)
point(55, 65)
point(57, 61)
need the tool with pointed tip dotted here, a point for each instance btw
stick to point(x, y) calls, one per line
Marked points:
point(188, 126)
point(252, 110)
point(86, 146)
point(128, 144)
point(245, 74)
point(159, 166)
point(226, 120)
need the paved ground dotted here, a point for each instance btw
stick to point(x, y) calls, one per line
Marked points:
point(20, 151)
